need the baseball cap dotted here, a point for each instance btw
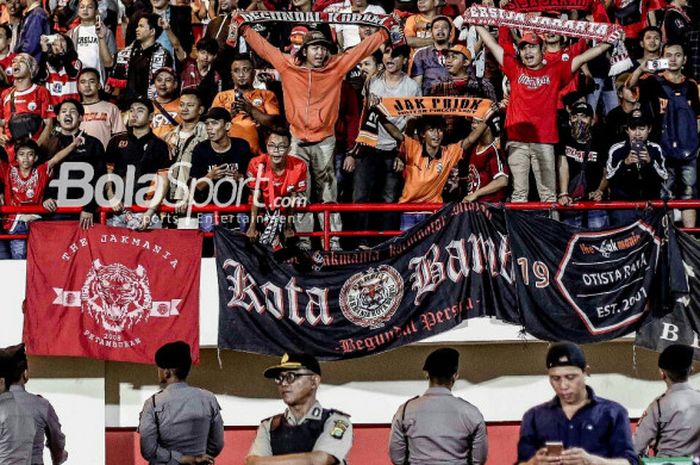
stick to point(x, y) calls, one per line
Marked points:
point(216, 113)
point(401, 50)
point(564, 354)
point(316, 37)
point(459, 48)
point(638, 118)
point(676, 357)
point(293, 362)
point(529, 37)
point(442, 362)
point(582, 108)
point(173, 355)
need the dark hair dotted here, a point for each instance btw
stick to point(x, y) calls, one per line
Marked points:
point(71, 54)
point(649, 29)
point(280, 129)
point(210, 46)
point(678, 376)
point(430, 121)
point(378, 56)
point(181, 372)
point(78, 106)
point(194, 92)
point(89, 70)
point(153, 23)
point(7, 29)
point(27, 143)
point(242, 57)
point(674, 44)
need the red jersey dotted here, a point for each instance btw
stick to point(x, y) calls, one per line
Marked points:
point(6, 65)
point(61, 86)
point(567, 54)
point(20, 190)
point(485, 165)
point(35, 99)
point(274, 186)
point(531, 115)
point(633, 14)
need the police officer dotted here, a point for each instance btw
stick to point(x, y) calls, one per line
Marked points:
point(45, 418)
point(438, 427)
point(180, 424)
point(671, 424)
point(16, 424)
point(305, 432)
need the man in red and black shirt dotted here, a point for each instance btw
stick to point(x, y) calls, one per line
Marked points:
point(531, 117)
point(278, 182)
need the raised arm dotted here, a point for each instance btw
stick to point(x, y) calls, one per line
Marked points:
point(491, 43)
point(588, 55)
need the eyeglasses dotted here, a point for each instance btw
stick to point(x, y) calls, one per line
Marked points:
point(276, 148)
point(290, 376)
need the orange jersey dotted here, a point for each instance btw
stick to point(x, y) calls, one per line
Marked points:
point(160, 124)
point(426, 177)
point(243, 125)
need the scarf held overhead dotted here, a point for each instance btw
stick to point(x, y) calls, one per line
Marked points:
point(388, 22)
point(489, 16)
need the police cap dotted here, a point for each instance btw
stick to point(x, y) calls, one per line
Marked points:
point(676, 357)
point(174, 355)
point(442, 363)
point(293, 362)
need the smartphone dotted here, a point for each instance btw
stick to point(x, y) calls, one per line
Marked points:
point(637, 145)
point(657, 65)
point(554, 448)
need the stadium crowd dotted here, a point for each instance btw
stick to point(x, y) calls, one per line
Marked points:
point(198, 106)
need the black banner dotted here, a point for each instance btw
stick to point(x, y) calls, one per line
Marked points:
point(584, 285)
point(682, 326)
point(455, 265)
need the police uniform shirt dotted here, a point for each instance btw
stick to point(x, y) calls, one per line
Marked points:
point(680, 423)
point(16, 432)
point(46, 422)
point(440, 429)
point(185, 421)
point(335, 439)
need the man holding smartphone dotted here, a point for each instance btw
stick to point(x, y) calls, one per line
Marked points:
point(576, 427)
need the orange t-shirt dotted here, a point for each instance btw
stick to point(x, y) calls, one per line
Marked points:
point(425, 177)
point(160, 124)
point(243, 125)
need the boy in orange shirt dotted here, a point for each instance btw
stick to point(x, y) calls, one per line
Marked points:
point(428, 162)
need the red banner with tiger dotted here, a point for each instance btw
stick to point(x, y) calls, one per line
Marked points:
point(110, 293)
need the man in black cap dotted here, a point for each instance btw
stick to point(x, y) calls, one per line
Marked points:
point(45, 418)
point(590, 430)
point(581, 167)
point(180, 424)
point(636, 168)
point(671, 424)
point(438, 427)
point(16, 424)
point(138, 152)
point(305, 432)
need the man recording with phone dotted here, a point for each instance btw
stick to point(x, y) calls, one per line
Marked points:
point(576, 427)
point(676, 98)
point(636, 168)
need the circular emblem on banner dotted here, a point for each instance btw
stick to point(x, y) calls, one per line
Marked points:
point(370, 298)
